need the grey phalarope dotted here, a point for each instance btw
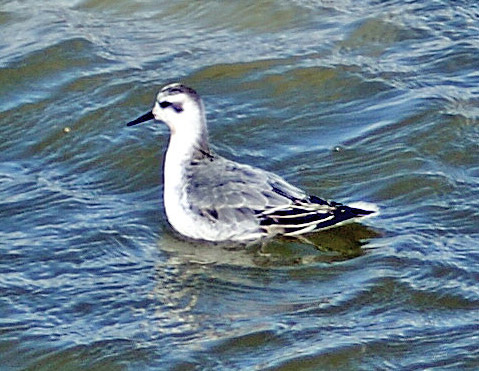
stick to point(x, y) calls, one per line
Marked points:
point(208, 197)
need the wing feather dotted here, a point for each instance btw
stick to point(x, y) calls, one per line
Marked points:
point(251, 199)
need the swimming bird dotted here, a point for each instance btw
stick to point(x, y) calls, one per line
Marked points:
point(208, 197)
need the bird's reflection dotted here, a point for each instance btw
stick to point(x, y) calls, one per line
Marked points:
point(337, 244)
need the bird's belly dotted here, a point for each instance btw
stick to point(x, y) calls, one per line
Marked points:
point(196, 225)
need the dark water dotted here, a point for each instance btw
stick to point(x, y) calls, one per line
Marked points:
point(351, 100)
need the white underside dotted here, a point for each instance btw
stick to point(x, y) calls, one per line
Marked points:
point(178, 211)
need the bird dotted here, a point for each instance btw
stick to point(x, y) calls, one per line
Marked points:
point(211, 198)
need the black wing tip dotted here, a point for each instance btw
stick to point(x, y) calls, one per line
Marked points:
point(297, 221)
point(361, 212)
point(363, 209)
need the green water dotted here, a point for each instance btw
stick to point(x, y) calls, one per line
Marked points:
point(366, 100)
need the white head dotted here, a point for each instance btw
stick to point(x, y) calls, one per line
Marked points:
point(181, 108)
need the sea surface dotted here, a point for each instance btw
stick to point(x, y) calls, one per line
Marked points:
point(365, 100)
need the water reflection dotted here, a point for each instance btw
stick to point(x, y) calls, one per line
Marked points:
point(337, 244)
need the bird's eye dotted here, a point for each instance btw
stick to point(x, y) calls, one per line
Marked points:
point(165, 104)
point(176, 106)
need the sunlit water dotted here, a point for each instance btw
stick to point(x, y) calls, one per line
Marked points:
point(350, 100)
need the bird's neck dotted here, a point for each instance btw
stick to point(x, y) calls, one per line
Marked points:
point(186, 145)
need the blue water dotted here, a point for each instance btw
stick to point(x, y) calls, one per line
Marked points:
point(351, 100)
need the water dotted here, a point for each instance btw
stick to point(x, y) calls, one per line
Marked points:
point(351, 100)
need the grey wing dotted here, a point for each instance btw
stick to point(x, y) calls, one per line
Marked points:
point(230, 192)
point(235, 194)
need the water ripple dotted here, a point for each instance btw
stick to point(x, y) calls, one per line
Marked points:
point(351, 100)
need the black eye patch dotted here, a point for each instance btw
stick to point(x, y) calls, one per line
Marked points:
point(176, 106)
point(165, 104)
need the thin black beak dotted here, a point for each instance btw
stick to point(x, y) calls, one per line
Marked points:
point(146, 117)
